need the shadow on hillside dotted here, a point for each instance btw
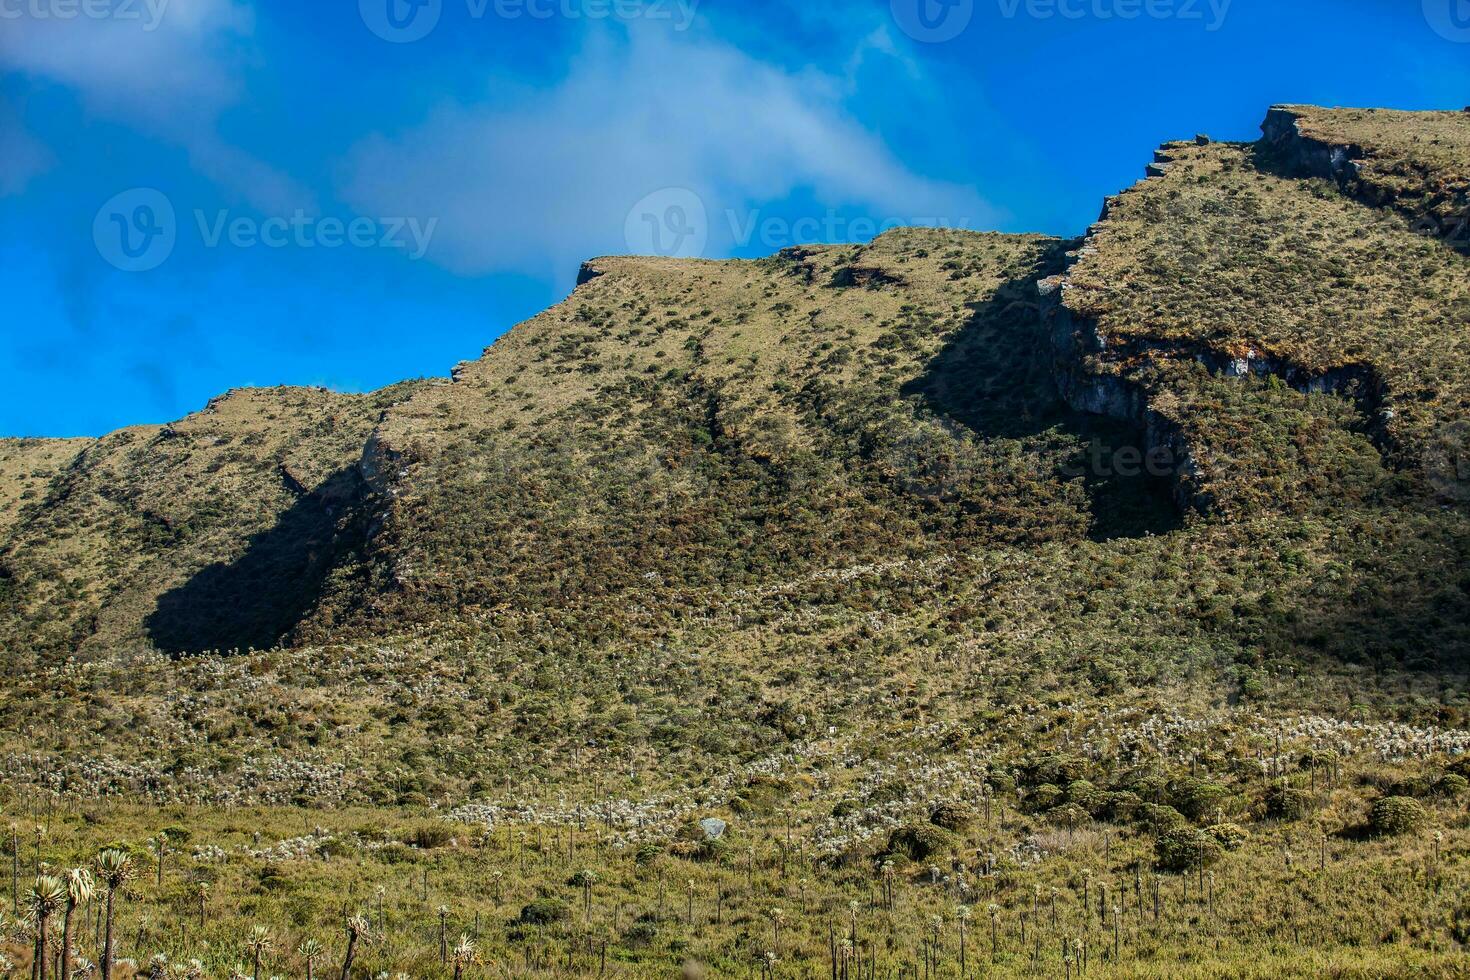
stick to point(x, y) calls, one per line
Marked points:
point(1412, 616)
point(258, 599)
point(995, 378)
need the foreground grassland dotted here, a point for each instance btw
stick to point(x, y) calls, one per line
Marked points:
point(850, 550)
point(1170, 834)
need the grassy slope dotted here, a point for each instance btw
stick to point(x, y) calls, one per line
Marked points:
point(729, 423)
point(140, 511)
point(1218, 255)
point(1423, 156)
point(27, 467)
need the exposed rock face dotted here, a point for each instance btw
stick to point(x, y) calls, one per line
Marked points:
point(1302, 155)
point(1098, 374)
point(379, 466)
point(587, 273)
point(1294, 152)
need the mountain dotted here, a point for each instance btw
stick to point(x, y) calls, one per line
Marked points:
point(1252, 331)
point(1118, 587)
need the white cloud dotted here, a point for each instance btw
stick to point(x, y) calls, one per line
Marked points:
point(549, 180)
point(168, 67)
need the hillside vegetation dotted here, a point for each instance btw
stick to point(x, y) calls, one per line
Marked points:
point(1012, 607)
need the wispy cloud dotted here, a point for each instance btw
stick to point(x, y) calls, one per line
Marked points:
point(548, 179)
point(166, 67)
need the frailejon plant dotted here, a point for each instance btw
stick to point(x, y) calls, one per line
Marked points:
point(114, 869)
point(81, 887)
point(47, 896)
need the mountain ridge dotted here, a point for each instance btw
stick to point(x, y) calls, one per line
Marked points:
point(958, 383)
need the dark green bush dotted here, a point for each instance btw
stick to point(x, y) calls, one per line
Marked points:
point(1044, 797)
point(1230, 836)
point(1160, 819)
point(1284, 802)
point(544, 912)
point(920, 842)
point(1121, 807)
point(1395, 815)
point(1451, 785)
point(1198, 799)
point(1068, 815)
point(1186, 850)
point(952, 815)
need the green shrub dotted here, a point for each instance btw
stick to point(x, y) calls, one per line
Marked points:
point(1451, 784)
point(1160, 819)
point(920, 842)
point(641, 933)
point(1230, 836)
point(1044, 797)
point(1186, 850)
point(544, 912)
point(1121, 807)
point(952, 815)
point(1087, 796)
point(1198, 799)
point(1068, 815)
point(1395, 815)
point(1284, 802)
point(1056, 769)
point(1000, 783)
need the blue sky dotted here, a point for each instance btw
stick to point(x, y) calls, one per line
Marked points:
point(351, 192)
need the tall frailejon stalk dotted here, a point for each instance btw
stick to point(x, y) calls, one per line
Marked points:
point(114, 869)
point(962, 916)
point(357, 932)
point(466, 952)
point(80, 889)
point(310, 951)
point(259, 943)
point(47, 897)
